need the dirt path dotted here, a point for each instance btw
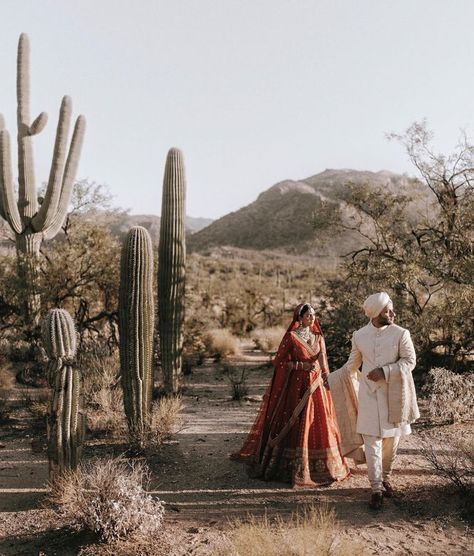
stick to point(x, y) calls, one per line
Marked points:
point(204, 490)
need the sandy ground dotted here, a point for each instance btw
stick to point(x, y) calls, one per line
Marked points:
point(204, 491)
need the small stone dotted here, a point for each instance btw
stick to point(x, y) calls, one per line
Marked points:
point(193, 530)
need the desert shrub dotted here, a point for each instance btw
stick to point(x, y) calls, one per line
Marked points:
point(268, 339)
point(20, 351)
point(451, 395)
point(238, 382)
point(108, 497)
point(220, 343)
point(451, 456)
point(165, 420)
point(313, 531)
point(103, 395)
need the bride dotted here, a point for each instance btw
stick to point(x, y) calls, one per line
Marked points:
point(295, 437)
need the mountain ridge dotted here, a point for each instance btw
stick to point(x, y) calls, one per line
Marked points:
point(281, 217)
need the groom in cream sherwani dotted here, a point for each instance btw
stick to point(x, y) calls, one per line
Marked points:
point(385, 355)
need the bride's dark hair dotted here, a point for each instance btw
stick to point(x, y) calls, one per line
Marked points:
point(304, 309)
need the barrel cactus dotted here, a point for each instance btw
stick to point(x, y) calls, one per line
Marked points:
point(171, 270)
point(65, 416)
point(136, 327)
point(31, 220)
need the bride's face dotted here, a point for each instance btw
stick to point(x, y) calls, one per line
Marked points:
point(307, 319)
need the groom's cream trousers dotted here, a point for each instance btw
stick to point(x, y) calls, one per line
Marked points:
point(380, 454)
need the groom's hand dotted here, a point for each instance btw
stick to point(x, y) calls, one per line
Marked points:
point(376, 374)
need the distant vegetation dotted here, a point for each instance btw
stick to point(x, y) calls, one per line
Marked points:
point(412, 238)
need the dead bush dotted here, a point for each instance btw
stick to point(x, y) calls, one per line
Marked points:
point(165, 420)
point(268, 339)
point(451, 395)
point(108, 497)
point(312, 531)
point(451, 456)
point(103, 395)
point(220, 343)
point(20, 351)
point(238, 382)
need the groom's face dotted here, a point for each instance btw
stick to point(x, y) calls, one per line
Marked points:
point(387, 316)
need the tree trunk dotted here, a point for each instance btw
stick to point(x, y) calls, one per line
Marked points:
point(28, 250)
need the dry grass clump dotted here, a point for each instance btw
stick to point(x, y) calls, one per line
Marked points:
point(313, 531)
point(268, 339)
point(220, 343)
point(451, 456)
point(103, 395)
point(165, 420)
point(108, 497)
point(451, 395)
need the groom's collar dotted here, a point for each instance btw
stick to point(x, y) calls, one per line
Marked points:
point(381, 328)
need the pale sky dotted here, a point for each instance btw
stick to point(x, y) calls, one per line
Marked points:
point(252, 91)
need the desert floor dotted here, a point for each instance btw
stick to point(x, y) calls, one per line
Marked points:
point(205, 492)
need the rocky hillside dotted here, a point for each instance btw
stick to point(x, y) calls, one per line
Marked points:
point(281, 218)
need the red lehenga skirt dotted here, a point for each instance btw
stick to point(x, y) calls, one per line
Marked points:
point(295, 437)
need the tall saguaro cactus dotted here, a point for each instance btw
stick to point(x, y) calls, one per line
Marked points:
point(136, 327)
point(65, 417)
point(30, 220)
point(171, 270)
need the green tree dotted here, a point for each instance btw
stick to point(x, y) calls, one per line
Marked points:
point(424, 259)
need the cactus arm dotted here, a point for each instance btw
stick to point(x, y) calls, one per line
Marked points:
point(2, 127)
point(64, 437)
point(8, 206)
point(171, 269)
point(136, 326)
point(59, 421)
point(53, 226)
point(53, 192)
point(38, 125)
point(67, 415)
point(28, 201)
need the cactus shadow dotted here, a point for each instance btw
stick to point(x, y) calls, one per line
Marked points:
point(62, 541)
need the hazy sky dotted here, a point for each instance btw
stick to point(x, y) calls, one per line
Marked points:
point(252, 91)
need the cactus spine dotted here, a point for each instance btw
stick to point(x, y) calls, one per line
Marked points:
point(65, 417)
point(30, 221)
point(136, 326)
point(171, 270)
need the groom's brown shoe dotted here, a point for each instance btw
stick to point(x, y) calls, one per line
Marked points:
point(389, 491)
point(376, 501)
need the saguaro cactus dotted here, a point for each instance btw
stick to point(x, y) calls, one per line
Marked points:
point(171, 270)
point(65, 417)
point(136, 327)
point(30, 220)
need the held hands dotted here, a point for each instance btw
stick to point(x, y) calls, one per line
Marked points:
point(376, 374)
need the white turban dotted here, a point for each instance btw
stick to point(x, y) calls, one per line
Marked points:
point(375, 303)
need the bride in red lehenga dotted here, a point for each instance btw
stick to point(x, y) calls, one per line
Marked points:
point(295, 437)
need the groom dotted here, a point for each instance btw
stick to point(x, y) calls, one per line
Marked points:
point(387, 399)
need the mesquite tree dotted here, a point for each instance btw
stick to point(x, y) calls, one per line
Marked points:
point(171, 270)
point(31, 219)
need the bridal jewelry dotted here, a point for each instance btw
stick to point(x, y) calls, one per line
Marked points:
point(305, 334)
